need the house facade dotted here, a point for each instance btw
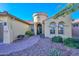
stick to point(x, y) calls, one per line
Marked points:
point(11, 27)
point(50, 27)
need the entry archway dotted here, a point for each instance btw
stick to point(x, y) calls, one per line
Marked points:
point(39, 29)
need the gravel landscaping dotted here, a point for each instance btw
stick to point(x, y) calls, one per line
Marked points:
point(43, 48)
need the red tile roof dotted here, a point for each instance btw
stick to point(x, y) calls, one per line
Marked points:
point(75, 21)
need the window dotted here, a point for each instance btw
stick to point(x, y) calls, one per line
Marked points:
point(75, 25)
point(61, 28)
point(5, 23)
point(52, 29)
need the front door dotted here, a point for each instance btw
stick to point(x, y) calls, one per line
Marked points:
point(1, 32)
point(39, 29)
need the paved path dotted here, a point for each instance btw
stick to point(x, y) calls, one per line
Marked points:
point(6, 49)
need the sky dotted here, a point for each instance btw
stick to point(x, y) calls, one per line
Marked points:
point(25, 10)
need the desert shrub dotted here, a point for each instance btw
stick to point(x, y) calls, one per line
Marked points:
point(55, 52)
point(57, 39)
point(29, 33)
point(70, 42)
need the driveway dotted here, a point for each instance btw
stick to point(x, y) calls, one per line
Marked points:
point(25, 43)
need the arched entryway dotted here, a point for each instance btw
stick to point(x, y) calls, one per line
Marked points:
point(1, 32)
point(39, 29)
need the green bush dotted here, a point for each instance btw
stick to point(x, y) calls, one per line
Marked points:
point(70, 42)
point(55, 52)
point(57, 39)
point(29, 33)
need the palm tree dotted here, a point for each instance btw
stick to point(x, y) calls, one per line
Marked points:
point(70, 8)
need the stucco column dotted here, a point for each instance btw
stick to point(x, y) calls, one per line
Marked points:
point(43, 28)
point(6, 37)
point(6, 31)
point(35, 28)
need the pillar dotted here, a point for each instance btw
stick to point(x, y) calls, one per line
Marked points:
point(35, 28)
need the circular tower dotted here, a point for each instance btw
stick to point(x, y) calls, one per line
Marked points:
point(39, 23)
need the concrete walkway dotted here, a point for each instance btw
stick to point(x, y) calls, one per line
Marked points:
point(18, 45)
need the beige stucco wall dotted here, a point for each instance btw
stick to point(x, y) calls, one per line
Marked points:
point(67, 27)
point(13, 28)
point(17, 28)
point(40, 19)
point(6, 29)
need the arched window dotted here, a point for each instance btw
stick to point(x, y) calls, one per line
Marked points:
point(61, 27)
point(52, 27)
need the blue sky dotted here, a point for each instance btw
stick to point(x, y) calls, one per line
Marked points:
point(25, 10)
